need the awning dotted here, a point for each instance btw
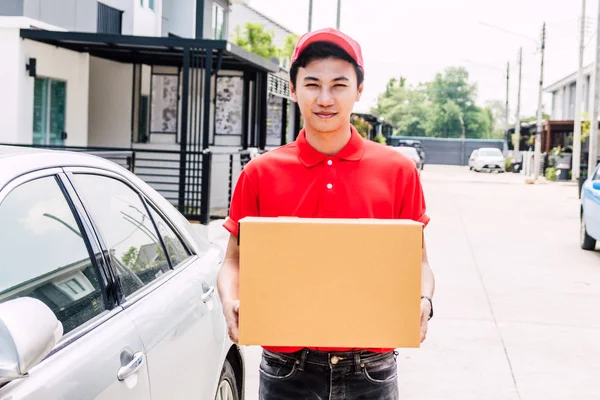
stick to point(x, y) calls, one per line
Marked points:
point(151, 50)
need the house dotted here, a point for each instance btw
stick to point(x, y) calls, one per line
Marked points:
point(153, 84)
point(564, 92)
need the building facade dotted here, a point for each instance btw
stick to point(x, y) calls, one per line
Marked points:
point(156, 77)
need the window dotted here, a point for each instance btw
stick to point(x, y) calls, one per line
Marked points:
point(44, 255)
point(176, 250)
point(134, 248)
point(151, 4)
point(49, 105)
point(218, 22)
point(109, 19)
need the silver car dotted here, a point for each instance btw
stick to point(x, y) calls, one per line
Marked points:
point(106, 290)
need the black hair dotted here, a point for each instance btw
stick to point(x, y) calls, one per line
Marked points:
point(322, 51)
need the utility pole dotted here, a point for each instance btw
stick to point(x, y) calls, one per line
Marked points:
point(538, 134)
point(578, 97)
point(593, 154)
point(339, 12)
point(506, 111)
point(518, 110)
point(310, 9)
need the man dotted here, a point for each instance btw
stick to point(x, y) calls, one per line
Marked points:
point(330, 171)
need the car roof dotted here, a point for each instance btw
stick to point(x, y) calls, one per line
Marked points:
point(16, 161)
point(489, 148)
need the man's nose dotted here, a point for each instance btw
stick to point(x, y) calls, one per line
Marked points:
point(325, 98)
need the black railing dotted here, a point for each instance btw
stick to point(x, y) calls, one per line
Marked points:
point(162, 170)
point(207, 178)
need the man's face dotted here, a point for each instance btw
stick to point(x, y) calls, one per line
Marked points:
point(326, 91)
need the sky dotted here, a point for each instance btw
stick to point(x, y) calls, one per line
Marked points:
point(418, 38)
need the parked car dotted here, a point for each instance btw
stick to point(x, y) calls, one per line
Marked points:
point(489, 159)
point(472, 159)
point(417, 144)
point(106, 290)
point(411, 153)
point(590, 211)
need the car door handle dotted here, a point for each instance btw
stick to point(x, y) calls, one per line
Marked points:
point(132, 367)
point(207, 293)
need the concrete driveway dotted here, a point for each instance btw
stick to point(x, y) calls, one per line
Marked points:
point(517, 301)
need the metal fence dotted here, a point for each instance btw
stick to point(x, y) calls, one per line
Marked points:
point(177, 176)
point(448, 151)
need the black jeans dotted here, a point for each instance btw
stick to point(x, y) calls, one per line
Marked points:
point(315, 375)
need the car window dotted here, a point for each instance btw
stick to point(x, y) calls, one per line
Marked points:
point(135, 250)
point(176, 250)
point(43, 254)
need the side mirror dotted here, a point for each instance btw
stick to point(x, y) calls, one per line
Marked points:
point(596, 185)
point(29, 331)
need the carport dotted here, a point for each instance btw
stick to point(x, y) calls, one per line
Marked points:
point(183, 176)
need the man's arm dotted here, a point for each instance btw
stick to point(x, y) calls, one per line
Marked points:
point(228, 286)
point(427, 289)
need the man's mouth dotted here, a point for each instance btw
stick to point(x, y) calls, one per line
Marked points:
point(325, 115)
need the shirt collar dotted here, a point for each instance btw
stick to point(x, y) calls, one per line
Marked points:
point(353, 151)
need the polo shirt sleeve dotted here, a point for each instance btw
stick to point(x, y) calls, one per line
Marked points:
point(244, 203)
point(412, 205)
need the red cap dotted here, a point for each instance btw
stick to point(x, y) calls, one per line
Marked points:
point(333, 36)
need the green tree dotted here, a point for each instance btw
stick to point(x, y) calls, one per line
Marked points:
point(497, 108)
point(403, 106)
point(455, 98)
point(256, 40)
point(288, 47)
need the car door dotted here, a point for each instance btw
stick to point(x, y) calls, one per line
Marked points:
point(174, 308)
point(49, 252)
point(591, 206)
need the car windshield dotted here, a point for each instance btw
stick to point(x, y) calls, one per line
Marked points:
point(490, 153)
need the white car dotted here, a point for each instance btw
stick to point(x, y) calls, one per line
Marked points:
point(106, 290)
point(472, 159)
point(489, 159)
point(412, 154)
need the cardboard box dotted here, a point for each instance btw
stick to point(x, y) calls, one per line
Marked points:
point(330, 282)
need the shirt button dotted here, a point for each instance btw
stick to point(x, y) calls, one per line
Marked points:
point(329, 162)
point(329, 186)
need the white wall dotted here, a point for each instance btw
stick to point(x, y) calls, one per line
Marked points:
point(10, 74)
point(179, 17)
point(110, 103)
point(16, 104)
point(60, 64)
point(147, 22)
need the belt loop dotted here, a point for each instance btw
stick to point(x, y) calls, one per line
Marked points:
point(302, 362)
point(357, 363)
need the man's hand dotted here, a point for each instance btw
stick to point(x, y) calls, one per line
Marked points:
point(231, 310)
point(425, 311)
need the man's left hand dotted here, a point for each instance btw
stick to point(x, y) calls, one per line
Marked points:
point(425, 311)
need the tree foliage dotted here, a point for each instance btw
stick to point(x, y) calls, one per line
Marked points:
point(256, 40)
point(443, 107)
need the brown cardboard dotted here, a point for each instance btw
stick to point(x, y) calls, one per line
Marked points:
point(330, 282)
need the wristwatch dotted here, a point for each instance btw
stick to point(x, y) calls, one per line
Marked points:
point(430, 303)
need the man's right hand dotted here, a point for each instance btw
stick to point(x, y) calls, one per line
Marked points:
point(231, 310)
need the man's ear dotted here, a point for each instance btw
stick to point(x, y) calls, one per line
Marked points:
point(360, 91)
point(293, 92)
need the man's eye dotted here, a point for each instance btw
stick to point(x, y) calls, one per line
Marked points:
point(312, 85)
point(340, 85)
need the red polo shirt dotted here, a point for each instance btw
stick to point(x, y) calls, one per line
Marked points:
point(363, 180)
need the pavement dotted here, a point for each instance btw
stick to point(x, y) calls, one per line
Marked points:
point(517, 300)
